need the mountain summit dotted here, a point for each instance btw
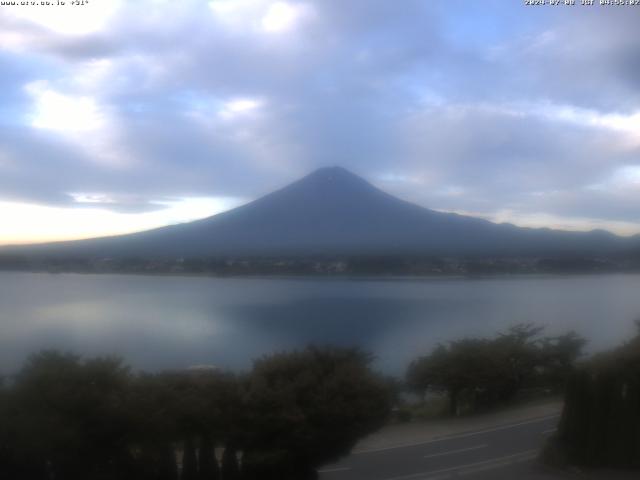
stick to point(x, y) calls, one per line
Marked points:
point(333, 211)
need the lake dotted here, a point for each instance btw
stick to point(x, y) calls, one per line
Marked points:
point(158, 322)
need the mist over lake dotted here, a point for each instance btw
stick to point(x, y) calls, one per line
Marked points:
point(174, 322)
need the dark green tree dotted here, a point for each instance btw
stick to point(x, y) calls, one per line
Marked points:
point(600, 424)
point(230, 468)
point(189, 460)
point(309, 407)
point(152, 406)
point(70, 416)
point(487, 372)
point(559, 356)
point(462, 367)
point(208, 465)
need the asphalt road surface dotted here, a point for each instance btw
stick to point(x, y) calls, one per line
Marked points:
point(502, 452)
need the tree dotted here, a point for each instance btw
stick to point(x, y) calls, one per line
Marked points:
point(516, 355)
point(451, 369)
point(230, 468)
point(309, 407)
point(154, 428)
point(208, 465)
point(187, 408)
point(70, 416)
point(559, 356)
point(189, 460)
point(600, 423)
point(486, 372)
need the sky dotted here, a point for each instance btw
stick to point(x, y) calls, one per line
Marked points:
point(119, 116)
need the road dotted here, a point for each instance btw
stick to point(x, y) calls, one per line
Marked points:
point(506, 451)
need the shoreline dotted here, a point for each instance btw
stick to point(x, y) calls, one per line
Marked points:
point(330, 276)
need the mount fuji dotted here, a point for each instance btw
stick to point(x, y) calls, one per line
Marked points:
point(335, 212)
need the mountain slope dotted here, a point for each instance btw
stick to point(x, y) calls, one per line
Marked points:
point(333, 211)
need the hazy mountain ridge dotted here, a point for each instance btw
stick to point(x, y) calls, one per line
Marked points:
point(334, 212)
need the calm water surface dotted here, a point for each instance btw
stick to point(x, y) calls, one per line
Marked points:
point(174, 322)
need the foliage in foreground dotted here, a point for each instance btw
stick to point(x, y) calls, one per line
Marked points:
point(477, 373)
point(67, 418)
point(600, 425)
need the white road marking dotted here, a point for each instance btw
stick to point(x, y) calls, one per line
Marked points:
point(460, 450)
point(521, 457)
point(472, 467)
point(337, 469)
point(457, 436)
point(547, 432)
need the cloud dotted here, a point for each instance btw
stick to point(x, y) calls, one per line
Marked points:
point(66, 21)
point(63, 113)
point(283, 16)
point(499, 110)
